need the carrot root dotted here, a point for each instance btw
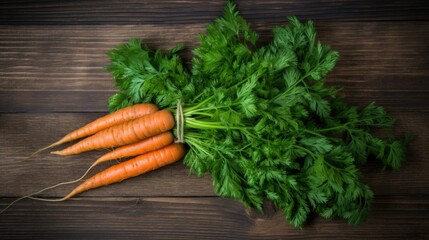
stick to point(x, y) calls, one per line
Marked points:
point(138, 148)
point(120, 116)
point(124, 133)
point(61, 141)
point(116, 173)
point(131, 168)
point(30, 196)
point(157, 150)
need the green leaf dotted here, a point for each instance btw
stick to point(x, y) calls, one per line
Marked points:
point(119, 100)
point(320, 145)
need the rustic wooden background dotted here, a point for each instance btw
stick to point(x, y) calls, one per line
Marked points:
point(52, 80)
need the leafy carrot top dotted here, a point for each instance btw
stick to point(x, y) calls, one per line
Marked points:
point(261, 120)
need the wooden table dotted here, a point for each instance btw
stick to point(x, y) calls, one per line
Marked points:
point(52, 80)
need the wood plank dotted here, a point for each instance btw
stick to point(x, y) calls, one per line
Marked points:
point(200, 218)
point(55, 57)
point(37, 61)
point(74, 57)
point(54, 101)
point(22, 134)
point(33, 101)
point(185, 12)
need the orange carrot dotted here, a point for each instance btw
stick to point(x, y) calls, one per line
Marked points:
point(122, 115)
point(124, 133)
point(128, 169)
point(144, 146)
point(138, 148)
point(136, 166)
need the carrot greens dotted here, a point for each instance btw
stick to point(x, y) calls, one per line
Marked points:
point(261, 120)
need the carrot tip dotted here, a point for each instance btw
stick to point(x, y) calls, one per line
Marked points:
point(47, 147)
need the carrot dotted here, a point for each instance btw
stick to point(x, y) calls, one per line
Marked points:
point(144, 146)
point(138, 148)
point(106, 121)
point(136, 166)
point(128, 169)
point(124, 133)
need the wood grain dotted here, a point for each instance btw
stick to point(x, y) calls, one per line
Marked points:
point(200, 218)
point(187, 12)
point(52, 80)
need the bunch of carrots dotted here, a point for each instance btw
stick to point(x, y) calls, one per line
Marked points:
point(141, 131)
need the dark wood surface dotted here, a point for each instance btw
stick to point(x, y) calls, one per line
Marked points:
point(52, 80)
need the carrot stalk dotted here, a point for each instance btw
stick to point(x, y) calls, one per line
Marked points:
point(124, 133)
point(122, 115)
point(128, 169)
